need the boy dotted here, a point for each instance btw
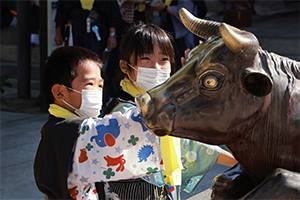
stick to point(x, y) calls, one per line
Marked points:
point(76, 149)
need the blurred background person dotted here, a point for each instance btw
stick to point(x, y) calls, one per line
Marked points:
point(129, 12)
point(34, 22)
point(170, 22)
point(90, 24)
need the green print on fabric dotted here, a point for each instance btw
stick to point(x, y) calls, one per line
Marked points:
point(89, 146)
point(191, 157)
point(109, 173)
point(210, 152)
point(150, 170)
point(133, 140)
point(83, 130)
point(193, 164)
point(183, 161)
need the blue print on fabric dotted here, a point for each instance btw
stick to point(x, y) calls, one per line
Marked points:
point(70, 168)
point(145, 152)
point(107, 133)
point(139, 120)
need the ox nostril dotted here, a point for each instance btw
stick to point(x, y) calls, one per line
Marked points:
point(160, 132)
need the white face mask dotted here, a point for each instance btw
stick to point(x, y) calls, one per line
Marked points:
point(148, 78)
point(91, 103)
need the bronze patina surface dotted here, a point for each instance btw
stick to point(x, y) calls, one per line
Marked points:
point(232, 92)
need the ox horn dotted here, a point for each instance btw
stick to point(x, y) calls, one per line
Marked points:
point(240, 42)
point(200, 27)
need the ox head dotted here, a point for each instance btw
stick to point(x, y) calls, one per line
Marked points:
point(218, 92)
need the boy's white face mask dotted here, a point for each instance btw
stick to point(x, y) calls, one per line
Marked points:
point(91, 103)
point(148, 78)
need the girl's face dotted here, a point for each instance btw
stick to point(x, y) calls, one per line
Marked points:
point(156, 60)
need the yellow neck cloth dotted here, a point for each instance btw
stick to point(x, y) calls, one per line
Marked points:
point(131, 89)
point(60, 112)
point(168, 2)
point(170, 146)
point(87, 4)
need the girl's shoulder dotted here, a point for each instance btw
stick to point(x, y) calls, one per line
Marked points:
point(122, 102)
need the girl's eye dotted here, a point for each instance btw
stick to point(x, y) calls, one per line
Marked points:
point(165, 59)
point(145, 58)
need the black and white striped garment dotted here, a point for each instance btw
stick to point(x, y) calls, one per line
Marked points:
point(138, 189)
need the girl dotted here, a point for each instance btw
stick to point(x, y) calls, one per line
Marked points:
point(147, 60)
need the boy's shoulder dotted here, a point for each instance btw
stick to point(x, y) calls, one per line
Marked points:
point(56, 127)
point(58, 136)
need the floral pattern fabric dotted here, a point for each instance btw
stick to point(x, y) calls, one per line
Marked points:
point(109, 149)
point(197, 159)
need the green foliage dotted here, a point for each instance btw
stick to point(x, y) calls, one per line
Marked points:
point(3, 82)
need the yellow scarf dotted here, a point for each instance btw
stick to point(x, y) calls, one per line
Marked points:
point(142, 7)
point(131, 89)
point(170, 146)
point(87, 4)
point(59, 111)
point(168, 2)
point(171, 153)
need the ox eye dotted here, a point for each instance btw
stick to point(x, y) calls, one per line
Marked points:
point(210, 82)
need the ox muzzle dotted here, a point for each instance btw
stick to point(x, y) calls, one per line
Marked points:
point(157, 117)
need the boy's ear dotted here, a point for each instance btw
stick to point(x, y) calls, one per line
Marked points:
point(123, 66)
point(58, 92)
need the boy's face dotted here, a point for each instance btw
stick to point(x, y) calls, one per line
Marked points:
point(88, 78)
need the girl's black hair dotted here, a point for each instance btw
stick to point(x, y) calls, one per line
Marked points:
point(61, 67)
point(139, 39)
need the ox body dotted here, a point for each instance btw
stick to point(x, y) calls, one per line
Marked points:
point(232, 92)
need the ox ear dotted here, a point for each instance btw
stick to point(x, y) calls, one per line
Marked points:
point(257, 83)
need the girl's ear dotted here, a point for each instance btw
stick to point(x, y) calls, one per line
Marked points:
point(124, 66)
point(58, 92)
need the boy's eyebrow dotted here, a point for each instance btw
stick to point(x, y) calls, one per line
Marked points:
point(91, 78)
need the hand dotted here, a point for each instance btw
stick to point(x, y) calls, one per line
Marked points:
point(159, 7)
point(183, 59)
point(111, 43)
point(58, 37)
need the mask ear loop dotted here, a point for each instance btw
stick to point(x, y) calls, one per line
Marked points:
point(128, 72)
point(131, 66)
point(70, 105)
point(72, 89)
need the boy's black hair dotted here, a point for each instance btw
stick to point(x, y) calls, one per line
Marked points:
point(61, 67)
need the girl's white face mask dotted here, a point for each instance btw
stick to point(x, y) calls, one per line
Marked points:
point(91, 103)
point(148, 78)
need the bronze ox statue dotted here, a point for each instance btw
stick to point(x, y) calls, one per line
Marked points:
point(232, 92)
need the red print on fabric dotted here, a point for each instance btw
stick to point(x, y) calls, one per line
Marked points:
point(116, 161)
point(83, 157)
point(73, 192)
point(109, 140)
point(161, 162)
